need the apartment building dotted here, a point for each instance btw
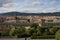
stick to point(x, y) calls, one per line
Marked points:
point(50, 22)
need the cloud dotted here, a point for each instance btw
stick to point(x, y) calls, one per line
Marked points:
point(52, 3)
point(9, 5)
point(37, 3)
point(34, 6)
point(49, 10)
point(39, 10)
point(4, 2)
point(2, 9)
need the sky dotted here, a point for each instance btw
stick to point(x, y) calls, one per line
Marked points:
point(30, 6)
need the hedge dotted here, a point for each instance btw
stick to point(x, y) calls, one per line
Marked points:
point(43, 37)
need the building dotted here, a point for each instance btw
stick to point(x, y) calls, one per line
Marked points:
point(50, 22)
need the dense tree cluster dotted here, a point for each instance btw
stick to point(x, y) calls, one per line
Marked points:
point(33, 31)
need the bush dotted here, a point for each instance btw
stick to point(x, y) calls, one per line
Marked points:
point(57, 36)
point(43, 37)
point(5, 32)
point(34, 25)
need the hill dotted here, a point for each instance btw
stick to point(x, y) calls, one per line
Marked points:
point(32, 14)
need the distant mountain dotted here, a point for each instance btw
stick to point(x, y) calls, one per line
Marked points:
point(32, 14)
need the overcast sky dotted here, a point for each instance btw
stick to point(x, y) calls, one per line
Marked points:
point(32, 6)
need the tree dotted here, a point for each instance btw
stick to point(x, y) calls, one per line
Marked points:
point(12, 32)
point(57, 36)
point(54, 30)
point(2, 19)
point(19, 32)
point(5, 32)
point(34, 25)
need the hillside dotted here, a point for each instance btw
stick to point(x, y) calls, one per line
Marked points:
point(37, 14)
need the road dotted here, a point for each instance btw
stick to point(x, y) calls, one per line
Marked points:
point(22, 39)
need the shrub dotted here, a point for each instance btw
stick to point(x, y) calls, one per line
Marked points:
point(43, 37)
point(57, 36)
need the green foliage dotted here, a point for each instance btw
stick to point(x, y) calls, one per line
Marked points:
point(57, 36)
point(5, 32)
point(12, 32)
point(43, 37)
point(31, 31)
point(18, 32)
point(34, 25)
point(53, 30)
point(34, 31)
point(45, 32)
